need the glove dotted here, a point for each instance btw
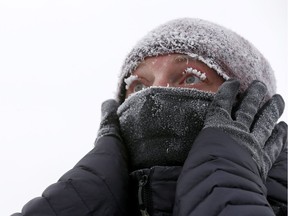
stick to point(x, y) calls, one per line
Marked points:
point(109, 125)
point(253, 128)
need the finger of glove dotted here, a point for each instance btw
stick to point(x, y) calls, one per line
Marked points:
point(109, 106)
point(225, 96)
point(109, 112)
point(249, 103)
point(267, 117)
point(275, 144)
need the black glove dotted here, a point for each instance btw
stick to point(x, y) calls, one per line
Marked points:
point(255, 129)
point(109, 125)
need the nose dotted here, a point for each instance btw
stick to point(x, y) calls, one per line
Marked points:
point(162, 81)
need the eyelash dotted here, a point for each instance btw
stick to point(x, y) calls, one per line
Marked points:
point(133, 82)
point(199, 74)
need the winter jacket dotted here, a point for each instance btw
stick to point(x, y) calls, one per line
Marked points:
point(219, 177)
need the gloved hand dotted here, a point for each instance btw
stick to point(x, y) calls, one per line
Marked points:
point(253, 128)
point(109, 124)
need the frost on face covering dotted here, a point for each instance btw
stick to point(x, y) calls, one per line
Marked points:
point(159, 124)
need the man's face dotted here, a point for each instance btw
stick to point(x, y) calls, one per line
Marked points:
point(175, 70)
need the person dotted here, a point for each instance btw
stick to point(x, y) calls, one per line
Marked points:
point(193, 131)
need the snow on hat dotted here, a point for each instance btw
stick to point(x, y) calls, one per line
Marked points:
point(229, 54)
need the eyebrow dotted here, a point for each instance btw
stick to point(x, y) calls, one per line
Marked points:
point(183, 58)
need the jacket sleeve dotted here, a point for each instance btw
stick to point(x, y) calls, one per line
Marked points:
point(97, 184)
point(219, 177)
point(276, 184)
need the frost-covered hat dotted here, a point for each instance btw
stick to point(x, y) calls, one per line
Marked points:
point(229, 54)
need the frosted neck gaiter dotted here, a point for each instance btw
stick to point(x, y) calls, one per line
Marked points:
point(160, 124)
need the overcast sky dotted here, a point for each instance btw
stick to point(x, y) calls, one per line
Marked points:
point(60, 59)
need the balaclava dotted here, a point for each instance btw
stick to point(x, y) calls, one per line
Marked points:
point(159, 125)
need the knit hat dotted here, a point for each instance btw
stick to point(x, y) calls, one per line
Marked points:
point(223, 50)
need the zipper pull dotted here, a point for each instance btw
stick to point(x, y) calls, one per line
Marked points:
point(142, 182)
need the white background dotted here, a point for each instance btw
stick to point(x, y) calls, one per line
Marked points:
point(59, 59)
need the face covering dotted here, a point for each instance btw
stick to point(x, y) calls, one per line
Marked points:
point(160, 124)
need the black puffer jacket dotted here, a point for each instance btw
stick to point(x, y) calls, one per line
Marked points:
point(218, 178)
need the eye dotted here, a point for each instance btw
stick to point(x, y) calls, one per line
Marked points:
point(138, 87)
point(191, 80)
point(134, 84)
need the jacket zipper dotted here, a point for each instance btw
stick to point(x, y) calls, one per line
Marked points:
point(142, 182)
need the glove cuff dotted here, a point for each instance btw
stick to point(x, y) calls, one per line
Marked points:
point(108, 131)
